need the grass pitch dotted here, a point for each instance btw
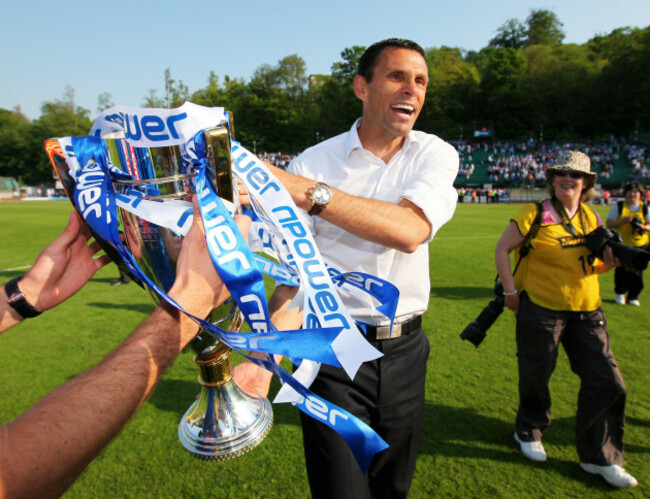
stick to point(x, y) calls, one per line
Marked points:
point(467, 448)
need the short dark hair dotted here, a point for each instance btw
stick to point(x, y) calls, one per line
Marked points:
point(633, 186)
point(370, 57)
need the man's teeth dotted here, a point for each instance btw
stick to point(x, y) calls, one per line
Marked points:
point(403, 107)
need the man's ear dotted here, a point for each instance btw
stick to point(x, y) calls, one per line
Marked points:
point(360, 88)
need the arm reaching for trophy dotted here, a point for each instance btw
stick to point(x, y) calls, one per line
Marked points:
point(61, 270)
point(402, 226)
point(44, 450)
point(252, 378)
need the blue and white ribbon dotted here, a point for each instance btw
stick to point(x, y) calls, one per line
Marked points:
point(334, 339)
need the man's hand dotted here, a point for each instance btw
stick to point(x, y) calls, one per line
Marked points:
point(299, 187)
point(63, 267)
point(198, 287)
point(251, 378)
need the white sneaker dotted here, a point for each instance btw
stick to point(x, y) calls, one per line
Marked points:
point(634, 303)
point(613, 474)
point(620, 299)
point(532, 450)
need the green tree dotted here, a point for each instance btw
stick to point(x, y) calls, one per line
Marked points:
point(176, 92)
point(104, 101)
point(292, 76)
point(503, 103)
point(59, 118)
point(153, 100)
point(338, 106)
point(453, 87)
point(560, 82)
point(544, 28)
point(212, 95)
point(230, 95)
point(511, 34)
point(14, 140)
point(623, 86)
point(275, 111)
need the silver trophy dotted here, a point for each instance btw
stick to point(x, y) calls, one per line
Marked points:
point(224, 422)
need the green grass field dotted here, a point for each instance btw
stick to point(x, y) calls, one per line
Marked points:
point(467, 448)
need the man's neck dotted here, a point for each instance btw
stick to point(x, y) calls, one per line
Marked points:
point(381, 145)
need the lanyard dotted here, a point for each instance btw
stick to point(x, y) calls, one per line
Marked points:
point(566, 222)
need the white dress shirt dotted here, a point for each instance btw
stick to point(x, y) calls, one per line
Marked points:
point(422, 171)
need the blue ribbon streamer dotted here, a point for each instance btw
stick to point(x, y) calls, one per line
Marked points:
point(95, 198)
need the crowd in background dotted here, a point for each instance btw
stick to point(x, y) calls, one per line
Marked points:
point(509, 163)
point(279, 159)
point(637, 156)
point(515, 163)
point(490, 195)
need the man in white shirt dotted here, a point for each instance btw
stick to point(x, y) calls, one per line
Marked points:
point(375, 196)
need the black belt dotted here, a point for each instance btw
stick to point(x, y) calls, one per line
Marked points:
point(374, 333)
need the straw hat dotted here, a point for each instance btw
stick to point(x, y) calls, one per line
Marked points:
point(572, 161)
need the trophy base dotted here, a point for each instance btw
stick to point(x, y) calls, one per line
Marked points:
point(224, 423)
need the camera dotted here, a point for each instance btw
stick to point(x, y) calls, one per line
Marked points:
point(637, 225)
point(632, 258)
point(475, 332)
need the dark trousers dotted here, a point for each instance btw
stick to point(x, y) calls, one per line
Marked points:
point(628, 282)
point(388, 395)
point(601, 400)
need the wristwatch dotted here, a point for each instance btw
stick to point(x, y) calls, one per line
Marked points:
point(321, 196)
point(16, 299)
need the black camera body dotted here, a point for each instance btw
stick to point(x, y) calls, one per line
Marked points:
point(637, 225)
point(634, 259)
point(476, 331)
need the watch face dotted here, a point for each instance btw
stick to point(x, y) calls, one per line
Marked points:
point(322, 195)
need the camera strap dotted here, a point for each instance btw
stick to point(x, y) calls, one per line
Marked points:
point(566, 222)
point(644, 209)
point(526, 245)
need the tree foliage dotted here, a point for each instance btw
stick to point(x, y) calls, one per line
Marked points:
point(510, 35)
point(544, 28)
point(525, 81)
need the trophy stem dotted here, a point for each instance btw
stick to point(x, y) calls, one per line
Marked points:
point(224, 422)
point(214, 366)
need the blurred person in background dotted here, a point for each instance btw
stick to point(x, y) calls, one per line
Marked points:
point(630, 218)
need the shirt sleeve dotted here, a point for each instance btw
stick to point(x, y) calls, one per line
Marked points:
point(525, 218)
point(613, 212)
point(433, 188)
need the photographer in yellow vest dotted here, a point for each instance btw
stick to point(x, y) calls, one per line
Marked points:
point(555, 297)
point(630, 219)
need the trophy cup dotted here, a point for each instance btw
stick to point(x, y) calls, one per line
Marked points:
point(224, 422)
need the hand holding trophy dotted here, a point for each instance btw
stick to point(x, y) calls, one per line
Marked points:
point(139, 167)
point(224, 422)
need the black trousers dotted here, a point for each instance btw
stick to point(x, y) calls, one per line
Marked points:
point(628, 282)
point(388, 395)
point(601, 401)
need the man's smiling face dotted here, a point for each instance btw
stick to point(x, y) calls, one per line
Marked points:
point(393, 99)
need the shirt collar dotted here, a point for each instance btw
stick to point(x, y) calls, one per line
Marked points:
point(353, 142)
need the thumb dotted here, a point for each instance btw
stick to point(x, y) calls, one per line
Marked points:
point(243, 223)
point(197, 221)
point(71, 231)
